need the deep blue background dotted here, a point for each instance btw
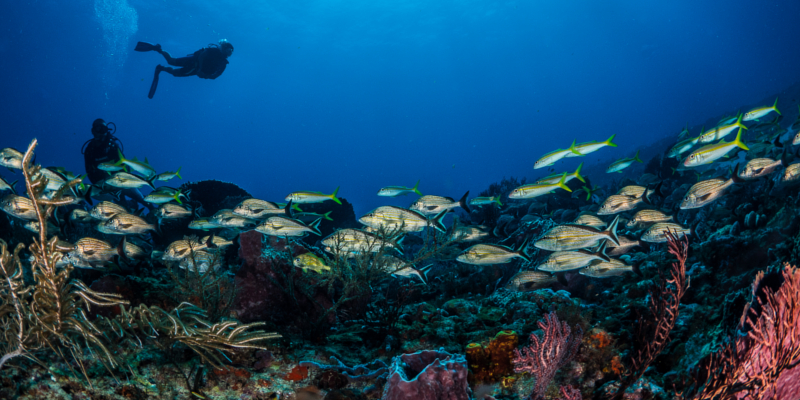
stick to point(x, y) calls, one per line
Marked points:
point(365, 94)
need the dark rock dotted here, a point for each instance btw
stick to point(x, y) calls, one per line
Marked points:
point(345, 394)
point(331, 379)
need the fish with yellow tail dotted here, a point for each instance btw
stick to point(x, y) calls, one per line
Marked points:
point(573, 237)
point(537, 189)
point(712, 152)
point(619, 165)
point(165, 176)
point(310, 262)
point(720, 131)
point(312, 197)
point(485, 201)
point(554, 178)
point(555, 155)
point(590, 147)
point(489, 254)
point(394, 191)
point(759, 112)
point(142, 168)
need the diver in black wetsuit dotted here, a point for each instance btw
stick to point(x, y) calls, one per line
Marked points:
point(104, 148)
point(207, 63)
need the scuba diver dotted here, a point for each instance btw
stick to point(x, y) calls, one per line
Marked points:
point(206, 63)
point(104, 147)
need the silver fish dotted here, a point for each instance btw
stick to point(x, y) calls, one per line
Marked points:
point(571, 260)
point(257, 209)
point(105, 210)
point(124, 224)
point(530, 280)
point(18, 206)
point(574, 237)
point(10, 158)
point(618, 203)
point(284, 226)
point(605, 269)
point(432, 205)
point(644, 218)
point(657, 232)
point(392, 218)
point(489, 254)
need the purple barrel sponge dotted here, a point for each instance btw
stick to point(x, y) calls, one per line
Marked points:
point(427, 375)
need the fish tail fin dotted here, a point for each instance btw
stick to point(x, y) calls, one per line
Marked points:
point(735, 175)
point(13, 190)
point(121, 158)
point(177, 197)
point(315, 227)
point(423, 273)
point(601, 251)
point(578, 173)
point(609, 142)
point(178, 173)
point(150, 182)
point(463, 202)
point(573, 149)
point(437, 222)
point(121, 249)
point(333, 196)
point(415, 189)
point(562, 182)
point(521, 250)
point(611, 231)
point(87, 195)
point(636, 157)
point(327, 216)
point(775, 106)
point(288, 209)
point(497, 200)
point(739, 122)
point(588, 193)
point(738, 141)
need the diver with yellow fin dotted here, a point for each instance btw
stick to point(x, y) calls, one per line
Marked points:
point(207, 63)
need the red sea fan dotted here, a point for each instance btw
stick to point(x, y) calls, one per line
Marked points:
point(543, 357)
point(764, 364)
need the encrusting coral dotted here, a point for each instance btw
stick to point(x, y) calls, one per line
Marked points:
point(53, 312)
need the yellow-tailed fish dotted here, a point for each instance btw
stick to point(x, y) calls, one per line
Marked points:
point(606, 269)
point(309, 217)
point(657, 233)
point(278, 225)
point(142, 168)
point(571, 260)
point(124, 180)
point(18, 206)
point(553, 156)
point(391, 218)
point(489, 254)
point(645, 218)
point(555, 178)
point(590, 147)
point(161, 198)
point(485, 201)
point(530, 191)
point(394, 191)
point(712, 152)
point(11, 158)
point(111, 167)
point(309, 261)
point(682, 147)
point(759, 112)
point(720, 131)
point(590, 191)
point(312, 197)
point(619, 165)
point(165, 176)
point(618, 203)
point(432, 205)
point(530, 280)
point(573, 237)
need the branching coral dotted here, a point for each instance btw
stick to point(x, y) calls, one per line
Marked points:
point(653, 334)
point(764, 363)
point(545, 356)
point(51, 313)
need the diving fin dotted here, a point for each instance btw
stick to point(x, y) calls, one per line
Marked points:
point(144, 46)
point(154, 85)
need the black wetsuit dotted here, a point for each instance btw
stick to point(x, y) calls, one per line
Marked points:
point(98, 151)
point(206, 63)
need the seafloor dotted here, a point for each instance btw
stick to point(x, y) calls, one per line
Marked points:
point(359, 335)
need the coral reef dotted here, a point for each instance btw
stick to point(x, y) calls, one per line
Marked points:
point(489, 363)
point(427, 375)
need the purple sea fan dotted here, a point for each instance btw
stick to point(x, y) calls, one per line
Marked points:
point(543, 357)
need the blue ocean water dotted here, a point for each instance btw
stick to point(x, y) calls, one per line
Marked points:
point(364, 94)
